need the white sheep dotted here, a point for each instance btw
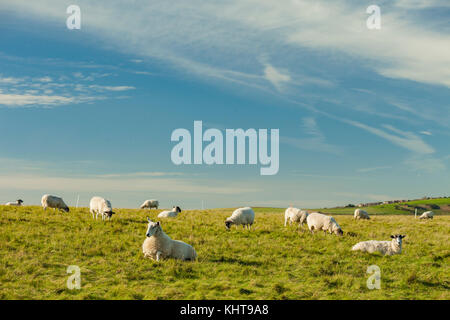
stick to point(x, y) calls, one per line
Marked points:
point(294, 215)
point(170, 213)
point(150, 204)
point(384, 247)
point(49, 201)
point(361, 214)
point(319, 221)
point(427, 215)
point(158, 245)
point(244, 216)
point(99, 205)
point(16, 203)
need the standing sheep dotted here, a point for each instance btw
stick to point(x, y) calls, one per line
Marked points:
point(318, 221)
point(158, 245)
point(148, 204)
point(384, 247)
point(54, 202)
point(16, 203)
point(99, 205)
point(361, 214)
point(244, 216)
point(294, 215)
point(170, 214)
point(427, 215)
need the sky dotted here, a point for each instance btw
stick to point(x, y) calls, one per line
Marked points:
point(363, 114)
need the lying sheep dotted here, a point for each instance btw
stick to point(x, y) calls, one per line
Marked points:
point(158, 245)
point(54, 202)
point(384, 247)
point(318, 221)
point(16, 203)
point(148, 204)
point(170, 213)
point(244, 216)
point(427, 215)
point(99, 205)
point(294, 215)
point(361, 214)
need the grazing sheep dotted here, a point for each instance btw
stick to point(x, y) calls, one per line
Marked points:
point(318, 221)
point(99, 205)
point(427, 215)
point(244, 216)
point(295, 215)
point(384, 247)
point(361, 214)
point(170, 214)
point(158, 245)
point(150, 204)
point(16, 203)
point(54, 202)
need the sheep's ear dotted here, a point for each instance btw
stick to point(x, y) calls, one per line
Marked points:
point(403, 236)
point(148, 219)
point(393, 237)
point(158, 224)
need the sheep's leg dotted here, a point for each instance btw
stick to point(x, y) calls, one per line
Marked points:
point(158, 255)
point(96, 215)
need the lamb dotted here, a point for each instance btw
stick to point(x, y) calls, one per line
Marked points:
point(384, 247)
point(99, 205)
point(170, 213)
point(361, 214)
point(295, 215)
point(49, 201)
point(158, 245)
point(16, 203)
point(244, 216)
point(427, 215)
point(150, 204)
point(318, 221)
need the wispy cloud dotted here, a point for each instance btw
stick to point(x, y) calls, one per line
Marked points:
point(316, 140)
point(276, 77)
point(365, 170)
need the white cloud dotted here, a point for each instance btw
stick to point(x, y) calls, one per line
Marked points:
point(427, 133)
point(425, 164)
point(365, 170)
point(111, 88)
point(16, 100)
point(276, 77)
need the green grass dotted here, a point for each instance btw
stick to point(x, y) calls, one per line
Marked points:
point(268, 262)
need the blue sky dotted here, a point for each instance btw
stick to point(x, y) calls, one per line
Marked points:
point(363, 114)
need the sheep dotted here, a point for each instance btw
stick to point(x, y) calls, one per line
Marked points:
point(427, 215)
point(49, 201)
point(295, 215)
point(170, 214)
point(244, 216)
point(99, 205)
point(318, 221)
point(158, 245)
point(361, 214)
point(150, 204)
point(16, 203)
point(384, 247)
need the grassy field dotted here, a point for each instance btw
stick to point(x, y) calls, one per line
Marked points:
point(268, 262)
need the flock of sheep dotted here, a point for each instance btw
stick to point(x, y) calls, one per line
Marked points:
point(158, 245)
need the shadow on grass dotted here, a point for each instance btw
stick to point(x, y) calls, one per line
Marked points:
point(236, 261)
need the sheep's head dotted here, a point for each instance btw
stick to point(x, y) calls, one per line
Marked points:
point(339, 232)
point(109, 214)
point(228, 224)
point(20, 201)
point(66, 209)
point(153, 227)
point(177, 209)
point(398, 239)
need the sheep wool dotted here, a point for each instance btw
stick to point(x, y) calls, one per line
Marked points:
point(16, 203)
point(361, 214)
point(387, 248)
point(294, 215)
point(99, 205)
point(158, 245)
point(427, 215)
point(242, 216)
point(319, 221)
point(148, 204)
point(49, 201)
point(170, 213)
